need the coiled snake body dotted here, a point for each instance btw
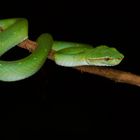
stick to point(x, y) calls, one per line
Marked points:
point(15, 30)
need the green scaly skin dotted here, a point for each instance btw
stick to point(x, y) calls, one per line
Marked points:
point(66, 53)
point(82, 54)
point(15, 31)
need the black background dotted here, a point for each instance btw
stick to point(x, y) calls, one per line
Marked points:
point(62, 101)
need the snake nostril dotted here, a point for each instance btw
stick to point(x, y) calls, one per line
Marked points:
point(1, 29)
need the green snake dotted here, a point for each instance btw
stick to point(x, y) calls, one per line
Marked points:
point(69, 54)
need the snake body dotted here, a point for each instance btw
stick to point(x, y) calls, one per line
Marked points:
point(69, 54)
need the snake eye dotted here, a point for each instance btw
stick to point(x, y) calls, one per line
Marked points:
point(107, 59)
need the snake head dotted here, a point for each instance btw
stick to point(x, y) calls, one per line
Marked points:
point(104, 56)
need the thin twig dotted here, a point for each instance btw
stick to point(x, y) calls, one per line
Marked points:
point(113, 74)
point(29, 45)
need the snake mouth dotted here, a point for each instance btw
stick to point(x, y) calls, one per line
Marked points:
point(103, 61)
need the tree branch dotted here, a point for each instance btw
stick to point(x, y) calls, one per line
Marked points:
point(113, 74)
